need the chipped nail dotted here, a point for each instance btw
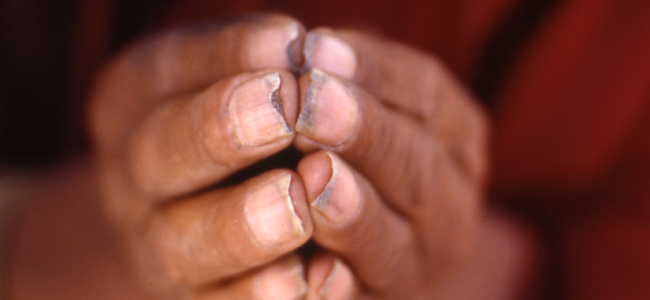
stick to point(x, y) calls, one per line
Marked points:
point(270, 214)
point(329, 113)
point(256, 112)
point(326, 52)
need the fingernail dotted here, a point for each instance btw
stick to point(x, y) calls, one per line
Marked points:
point(339, 284)
point(276, 46)
point(340, 200)
point(284, 280)
point(326, 52)
point(256, 111)
point(329, 112)
point(270, 214)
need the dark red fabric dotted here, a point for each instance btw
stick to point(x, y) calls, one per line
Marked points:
point(571, 132)
point(577, 92)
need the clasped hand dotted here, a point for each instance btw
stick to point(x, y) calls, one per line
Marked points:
point(389, 188)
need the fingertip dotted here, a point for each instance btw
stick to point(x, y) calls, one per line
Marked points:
point(277, 212)
point(300, 202)
point(284, 279)
point(324, 50)
point(295, 50)
point(329, 278)
point(256, 111)
point(262, 107)
point(318, 270)
point(331, 186)
point(316, 172)
point(329, 113)
point(276, 43)
point(288, 93)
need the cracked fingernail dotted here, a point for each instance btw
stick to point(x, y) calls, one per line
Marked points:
point(283, 280)
point(330, 109)
point(256, 111)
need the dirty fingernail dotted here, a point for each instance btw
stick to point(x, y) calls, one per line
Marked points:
point(326, 52)
point(270, 214)
point(341, 198)
point(330, 109)
point(256, 111)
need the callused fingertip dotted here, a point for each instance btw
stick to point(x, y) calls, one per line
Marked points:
point(276, 45)
point(340, 200)
point(256, 111)
point(284, 279)
point(323, 50)
point(329, 115)
point(270, 214)
point(339, 284)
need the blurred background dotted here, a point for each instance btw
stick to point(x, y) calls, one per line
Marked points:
point(48, 51)
point(566, 81)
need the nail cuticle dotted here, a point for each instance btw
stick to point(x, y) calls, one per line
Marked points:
point(305, 122)
point(270, 214)
point(324, 198)
point(329, 115)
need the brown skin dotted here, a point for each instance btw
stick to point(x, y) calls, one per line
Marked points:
point(416, 157)
point(163, 118)
point(403, 177)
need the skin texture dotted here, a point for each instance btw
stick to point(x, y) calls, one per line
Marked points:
point(406, 160)
point(389, 189)
point(171, 118)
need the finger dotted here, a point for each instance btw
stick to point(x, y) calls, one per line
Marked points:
point(226, 232)
point(192, 142)
point(404, 162)
point(329, 278)
point(186, 60)
point(283, 279)
point(351, 220)
point(192, 57)
point(409, 80)
point(398, 155)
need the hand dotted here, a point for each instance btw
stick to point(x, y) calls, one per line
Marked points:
point(396, 198)
point(171, 118)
